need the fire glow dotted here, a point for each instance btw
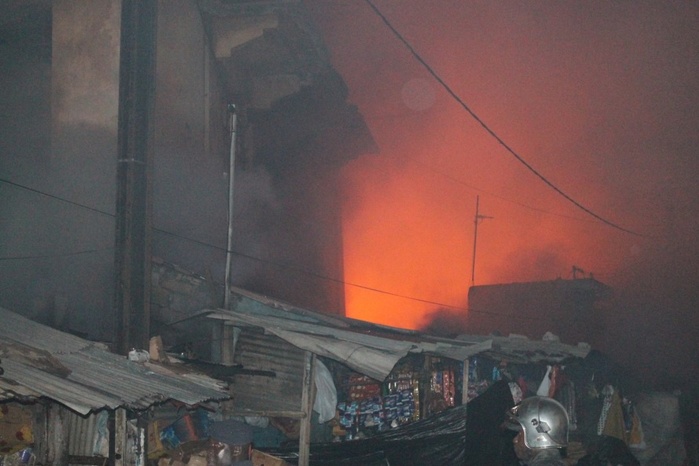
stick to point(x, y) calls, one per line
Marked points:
point(409, 238)
point(600, 100)
point(410, 212)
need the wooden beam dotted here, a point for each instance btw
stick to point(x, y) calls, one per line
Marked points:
point(464, 383)
point(307, 399)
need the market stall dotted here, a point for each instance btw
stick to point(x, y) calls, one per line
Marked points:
point(382, 378)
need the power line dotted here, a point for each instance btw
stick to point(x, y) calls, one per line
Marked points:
point(51, 256)
point(500, 141)
point(355, 285)
point(314, 274)
point(247, 256)
point(503, 198)
point(52, 196)
point(222, 249)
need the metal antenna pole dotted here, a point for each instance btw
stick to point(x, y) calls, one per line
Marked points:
point(476, 220)
point(231, 179)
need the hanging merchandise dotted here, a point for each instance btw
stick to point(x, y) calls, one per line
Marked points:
point(522, 382)
point(566, 396)
point(326, 393)
point(607, 392)
point(473, 370)
point(636, 437)
point(476, 385)
point(516, 391)
point(371, 408)
point(362, 387)
point(611, 421)
point(555, 376)
point(496, 374)
point(442, 387)
point(545, 383)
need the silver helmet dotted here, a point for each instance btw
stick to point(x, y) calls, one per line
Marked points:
point(544, 420)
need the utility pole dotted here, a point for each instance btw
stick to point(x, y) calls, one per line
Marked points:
point(134, 162)
point(476, 221)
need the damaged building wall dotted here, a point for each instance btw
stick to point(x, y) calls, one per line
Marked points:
point(59, 139)
point(25, 138)
point(60, 124)
point(177, 294)
point(294, 132)
point(190, 178)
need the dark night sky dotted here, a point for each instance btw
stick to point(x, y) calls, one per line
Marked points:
point(599, 97)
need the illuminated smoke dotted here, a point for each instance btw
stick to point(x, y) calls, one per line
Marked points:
point(602, 100)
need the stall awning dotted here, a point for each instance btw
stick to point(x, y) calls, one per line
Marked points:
point(40, 362)
point(366, 353)
point(373, 349)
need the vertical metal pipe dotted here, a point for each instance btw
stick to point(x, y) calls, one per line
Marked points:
point(476, 220)
point(475, 238)
point(231, 179)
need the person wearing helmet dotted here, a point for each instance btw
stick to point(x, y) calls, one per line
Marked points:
point(542, 425)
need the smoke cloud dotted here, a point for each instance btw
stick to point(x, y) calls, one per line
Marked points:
point(601, 99)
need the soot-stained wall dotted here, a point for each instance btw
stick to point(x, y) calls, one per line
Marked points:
point(58, 163)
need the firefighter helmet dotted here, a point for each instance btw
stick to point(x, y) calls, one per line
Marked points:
point(544, 421)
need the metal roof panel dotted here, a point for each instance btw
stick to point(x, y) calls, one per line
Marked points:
point(41, 362)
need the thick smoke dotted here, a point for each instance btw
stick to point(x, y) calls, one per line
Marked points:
point(601, 99)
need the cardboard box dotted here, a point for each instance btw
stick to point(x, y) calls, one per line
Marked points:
point(263, 459)
point(16, 429)
point(155, 446)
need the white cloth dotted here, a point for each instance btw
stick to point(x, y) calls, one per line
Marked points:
point(545, 383)
point(326, 393)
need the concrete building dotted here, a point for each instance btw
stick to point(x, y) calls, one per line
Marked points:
point(570, 309)
point(62, 123)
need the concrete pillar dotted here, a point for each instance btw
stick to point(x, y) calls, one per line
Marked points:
point(82, 166)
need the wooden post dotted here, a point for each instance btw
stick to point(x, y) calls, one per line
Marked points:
point(307, 399)
point(464, 384)
point(121, 448)
point(228, 341)
point(57, 437)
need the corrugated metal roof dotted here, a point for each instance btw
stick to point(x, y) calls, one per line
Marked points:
point(520, 349)
point(41, 362)
point(375, 349)
point(369, 349)
point(267, 395)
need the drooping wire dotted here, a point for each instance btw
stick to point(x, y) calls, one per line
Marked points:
point(241, 255)
point(211, 246)
point(487, 128)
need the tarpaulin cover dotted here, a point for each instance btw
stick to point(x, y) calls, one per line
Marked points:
point(445, 438)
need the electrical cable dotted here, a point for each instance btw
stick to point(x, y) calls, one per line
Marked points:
point(223, 249)
point(338, 281)
point(243, 255)
point(487, 128)
point(53, 256)
point(52, 196)
point(239, 254)
point(502, 198)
